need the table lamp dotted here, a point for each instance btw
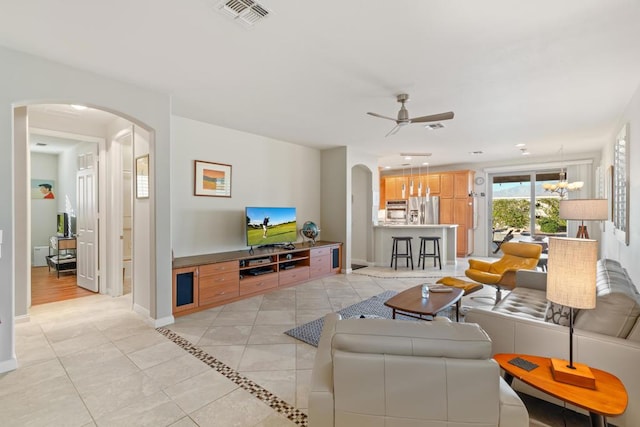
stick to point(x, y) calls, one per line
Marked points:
point(571, 281)
point(584, 210)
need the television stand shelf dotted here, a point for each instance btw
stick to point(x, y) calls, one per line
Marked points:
point(205, 281)
point(62, 254)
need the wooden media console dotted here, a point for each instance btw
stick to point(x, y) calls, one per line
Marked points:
point(205, 281)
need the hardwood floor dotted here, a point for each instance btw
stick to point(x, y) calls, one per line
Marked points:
point(46, 287)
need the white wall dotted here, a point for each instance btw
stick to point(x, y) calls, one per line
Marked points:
point(144, 248)
point(265, 172)
point(26, 79)
point(43, 212)
point(612, 246)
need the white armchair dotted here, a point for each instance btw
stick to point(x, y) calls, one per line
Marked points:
point(383, 372)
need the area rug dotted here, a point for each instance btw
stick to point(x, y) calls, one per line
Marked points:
point(403, 273)
point(310, 332)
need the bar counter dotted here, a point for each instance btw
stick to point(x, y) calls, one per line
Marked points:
point(383, 242)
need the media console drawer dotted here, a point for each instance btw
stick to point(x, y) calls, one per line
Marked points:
point(295, 275)
point(220, 267)
point(249, 285)
point(215, 292)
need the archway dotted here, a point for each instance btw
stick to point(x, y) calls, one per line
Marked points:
point(110, 190)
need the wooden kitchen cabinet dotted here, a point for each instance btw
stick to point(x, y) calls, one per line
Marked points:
point(446, 185)
point(456, 207)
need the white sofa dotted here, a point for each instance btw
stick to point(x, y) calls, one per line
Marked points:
point(607, 337)
point(383, 372)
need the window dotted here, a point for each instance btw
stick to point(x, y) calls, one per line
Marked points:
point(620, 199)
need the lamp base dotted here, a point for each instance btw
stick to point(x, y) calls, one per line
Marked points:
point(582, 232)
point(581, 376)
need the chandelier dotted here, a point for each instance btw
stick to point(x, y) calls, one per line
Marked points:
point(562, 187)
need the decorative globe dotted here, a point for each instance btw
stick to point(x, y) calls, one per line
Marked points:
point(310, 230)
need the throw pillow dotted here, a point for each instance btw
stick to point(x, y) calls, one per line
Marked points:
point(558, 314)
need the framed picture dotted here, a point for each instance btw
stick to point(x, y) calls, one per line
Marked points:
point(212, 179)
point(142, 177)
point(43, 189)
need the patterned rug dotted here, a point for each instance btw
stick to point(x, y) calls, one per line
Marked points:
point(404, 273)
point(374, 306)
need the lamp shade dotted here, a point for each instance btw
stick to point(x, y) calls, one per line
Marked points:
point(571, 277)
point(584, 209)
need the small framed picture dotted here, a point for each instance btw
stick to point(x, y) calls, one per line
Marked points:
point(212, 179)
point(142, 177)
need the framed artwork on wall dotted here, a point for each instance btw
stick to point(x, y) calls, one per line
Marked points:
point(212, 179)
point(142, 177)
point(43, 189)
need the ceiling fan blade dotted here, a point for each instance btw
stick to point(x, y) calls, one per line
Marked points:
point(382, 117)
point(433, 118)
point(393, 131)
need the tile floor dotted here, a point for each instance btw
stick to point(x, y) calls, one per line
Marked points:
point(93, 362)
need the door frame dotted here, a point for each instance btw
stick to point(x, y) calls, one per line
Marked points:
point(102, 243)
point(114, 212)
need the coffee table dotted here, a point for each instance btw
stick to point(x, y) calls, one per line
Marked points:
point(410, 302)
point(608, 399)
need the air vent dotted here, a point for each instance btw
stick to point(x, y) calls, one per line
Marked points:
point(41, 144)
point(434, 126)
point(415, 154)
point(246, 12)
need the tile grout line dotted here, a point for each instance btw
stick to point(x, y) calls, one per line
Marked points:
point(292, 413)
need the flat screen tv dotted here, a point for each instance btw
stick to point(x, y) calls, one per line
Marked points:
point(66, 225)
point(269, 226)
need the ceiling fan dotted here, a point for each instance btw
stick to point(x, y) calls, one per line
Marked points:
point(403, 116)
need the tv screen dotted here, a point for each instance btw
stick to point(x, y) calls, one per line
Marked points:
point(66, 225)
point(270, 226)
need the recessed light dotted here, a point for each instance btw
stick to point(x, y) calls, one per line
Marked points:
point(425, 163)
point(79, 107)
point(520, 145)
point(387, 167)
point(407, 157)
point(476, 153)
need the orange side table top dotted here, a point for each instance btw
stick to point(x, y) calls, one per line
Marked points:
point(608, 399)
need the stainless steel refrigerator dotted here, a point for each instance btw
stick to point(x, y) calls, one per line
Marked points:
point(423, 210)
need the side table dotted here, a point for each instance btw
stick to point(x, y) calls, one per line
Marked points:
point(608, 399)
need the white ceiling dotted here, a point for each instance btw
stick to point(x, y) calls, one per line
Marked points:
point(543, 73)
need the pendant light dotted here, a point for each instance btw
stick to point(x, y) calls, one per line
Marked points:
point(428, 192)
point(411, 181)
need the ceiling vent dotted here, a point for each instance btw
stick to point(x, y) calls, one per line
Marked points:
point(434, 126)
point(246, 12)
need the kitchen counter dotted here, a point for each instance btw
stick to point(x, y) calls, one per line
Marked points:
point(383, 242)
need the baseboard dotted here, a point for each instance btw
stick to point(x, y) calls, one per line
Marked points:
point(9, 365)
point(25, 318)
point(141, 311)
point(155, 323)
point(163, 321)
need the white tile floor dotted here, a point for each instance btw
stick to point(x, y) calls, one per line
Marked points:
point(93, 362)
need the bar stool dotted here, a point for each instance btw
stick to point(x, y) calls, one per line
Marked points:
point(423, 250)
point(407, 254)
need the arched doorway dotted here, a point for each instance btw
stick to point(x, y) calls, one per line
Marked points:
point(110, 183)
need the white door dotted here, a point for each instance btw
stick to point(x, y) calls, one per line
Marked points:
point(87, 221)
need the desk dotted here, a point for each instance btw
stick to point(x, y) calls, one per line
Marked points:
point(608, 399)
